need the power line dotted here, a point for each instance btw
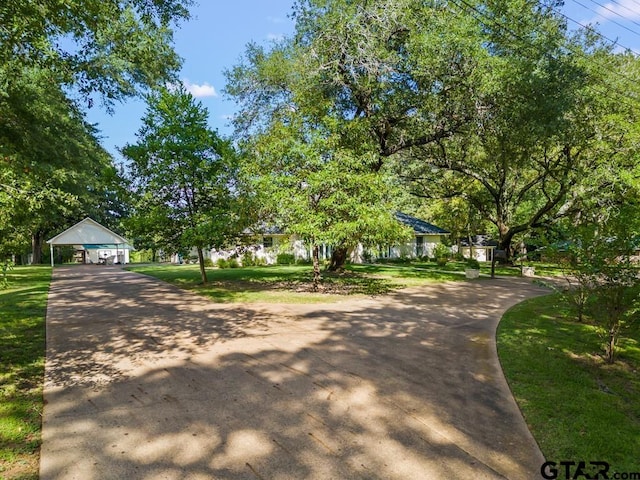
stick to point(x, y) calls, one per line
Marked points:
point(597, 32)
point(605, 7)
point(610, 20)
point(622, 96)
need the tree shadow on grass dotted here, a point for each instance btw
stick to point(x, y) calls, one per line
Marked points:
point(231, 284)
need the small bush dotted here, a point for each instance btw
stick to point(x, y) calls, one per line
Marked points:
point(285, 259)
point(233, 263)
point(208, 262)
point(441, 253)
point(6, 267)
point(367, 256)
point(302, 261)
point(248, 260)
point(473, 263)
point(395, 261)
point(222, 263)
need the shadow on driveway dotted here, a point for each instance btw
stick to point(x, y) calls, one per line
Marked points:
point(147, 381)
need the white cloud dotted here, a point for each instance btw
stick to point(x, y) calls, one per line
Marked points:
point(199, 91)
point(275, 37)
point(627, 9)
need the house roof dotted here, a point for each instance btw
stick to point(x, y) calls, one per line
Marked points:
point(420, 226)
point(87, 232)
point(263, 229)
point(479, 241)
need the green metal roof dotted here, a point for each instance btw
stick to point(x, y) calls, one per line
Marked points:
point(420, 226)
point(107, 246)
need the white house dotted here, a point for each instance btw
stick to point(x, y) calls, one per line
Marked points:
point(93, 243)
point(483, 248)
point(267, 244)
point(270, 241)
point(425, 238)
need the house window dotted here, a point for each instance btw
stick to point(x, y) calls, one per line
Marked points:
point(419, 246)
point(267, 242)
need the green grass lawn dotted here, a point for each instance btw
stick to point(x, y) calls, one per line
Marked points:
point(542, 269)
point(22, 347)
point(577, 406)
point(292, 283)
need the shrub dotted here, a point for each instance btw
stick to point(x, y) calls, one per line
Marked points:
point(208, 262)
point(233, 263)
point(248, 260)
point(6, 267)
point(441, 251)
point(395, 261)
point(285, 259)
point(302, 261)
point(473, 263)
point(222, 263)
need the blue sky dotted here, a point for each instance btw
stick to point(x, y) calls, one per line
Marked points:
point(617, 20)
point(212, 41)
point(215, 38)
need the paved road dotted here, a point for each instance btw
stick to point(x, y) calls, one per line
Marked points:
point(144, 381)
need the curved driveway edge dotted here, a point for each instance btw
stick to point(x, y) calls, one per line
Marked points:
point(146, 381)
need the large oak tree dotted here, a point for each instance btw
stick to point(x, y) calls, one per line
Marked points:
point(494, 101)
point(378, 77)
point(540, 120)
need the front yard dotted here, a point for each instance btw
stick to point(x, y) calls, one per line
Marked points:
point(22, 346)
point(577, 407)
point(293, 283)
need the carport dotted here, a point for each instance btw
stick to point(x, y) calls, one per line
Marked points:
point(101, 244)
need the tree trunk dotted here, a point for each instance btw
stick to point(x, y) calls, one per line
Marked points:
point(504, 243)
point(338, 259)
point(37, 240)
point(611, 345)
point(316, 267)
point(203, 271)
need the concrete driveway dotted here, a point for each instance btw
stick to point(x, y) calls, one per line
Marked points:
point(145, 381)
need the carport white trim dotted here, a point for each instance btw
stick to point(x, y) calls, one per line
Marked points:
point(87, 231)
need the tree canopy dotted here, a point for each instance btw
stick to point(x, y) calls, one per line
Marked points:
point(56, 58)
point(543, 118)
point(110, 47)
point(493, 102)
point(53, 172)
point(372, 78)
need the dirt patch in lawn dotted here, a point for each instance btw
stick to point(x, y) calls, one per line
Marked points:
point(342, 283)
